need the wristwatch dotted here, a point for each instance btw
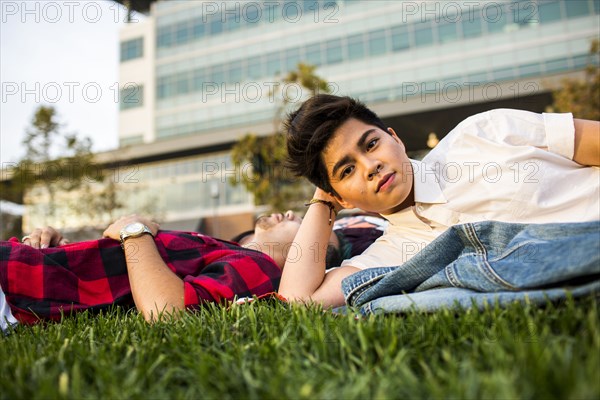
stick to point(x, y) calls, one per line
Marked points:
point(135, 229)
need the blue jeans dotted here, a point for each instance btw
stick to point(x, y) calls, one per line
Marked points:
point(481, 263)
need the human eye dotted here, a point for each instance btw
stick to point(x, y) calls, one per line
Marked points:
point(371, 143)
point(346, 171)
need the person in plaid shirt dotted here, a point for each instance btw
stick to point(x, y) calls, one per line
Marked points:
point(155, 271)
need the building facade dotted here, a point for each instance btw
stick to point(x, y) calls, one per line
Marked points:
point(196, 76)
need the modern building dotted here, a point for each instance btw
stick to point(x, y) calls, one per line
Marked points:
point(198, 75)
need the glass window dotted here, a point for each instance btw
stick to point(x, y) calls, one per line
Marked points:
point(131, 96)
point(423, 34)
point(292, 58)
point(534, 69)
point(597, 6)
point(273, 64)
point(217, 74)
point(577, 8)
point(216, 26)
point(496, 23)
point(131, 49)
point(471, 27)
point(182, 34)
point(291, 10)
point(198, 78)
point(254, 68)
point(558, 65)
point(333, 52)
point(235, 72)
point(581, 61)
point(504, 74)
point(400, 38)
point(377, 42)
point(251, 13)
point(197, 28)
point(356, 47)
point(313, 54)
point(183, 83)
point(549, 12)
point(447, 33)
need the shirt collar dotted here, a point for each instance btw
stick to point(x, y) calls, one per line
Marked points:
point(426, 184)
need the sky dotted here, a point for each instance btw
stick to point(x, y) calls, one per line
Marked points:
point(64, 54)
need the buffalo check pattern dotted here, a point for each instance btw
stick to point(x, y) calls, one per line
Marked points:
point(92, 275)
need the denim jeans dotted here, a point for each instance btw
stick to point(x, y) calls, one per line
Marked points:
point(481, 263)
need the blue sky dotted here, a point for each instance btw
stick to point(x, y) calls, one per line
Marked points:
point(64, 54)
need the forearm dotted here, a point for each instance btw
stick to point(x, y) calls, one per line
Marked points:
point(587, 142)
point(155, 288)
point(304, 270)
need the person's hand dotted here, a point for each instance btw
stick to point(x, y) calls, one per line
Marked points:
point(42, 238)
point(323, 195)
point(114, 230)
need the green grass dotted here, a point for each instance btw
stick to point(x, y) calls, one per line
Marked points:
point(271, 351)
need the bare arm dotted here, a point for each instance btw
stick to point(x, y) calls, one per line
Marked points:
point(587, 142)
point(304, 278)
point(155, 288)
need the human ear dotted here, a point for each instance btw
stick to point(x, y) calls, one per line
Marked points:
point(395, 136)
point(342, 202)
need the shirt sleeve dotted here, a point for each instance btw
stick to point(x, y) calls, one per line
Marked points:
point(387, 251)
point(552, 132)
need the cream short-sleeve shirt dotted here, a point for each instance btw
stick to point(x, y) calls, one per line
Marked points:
point(503, 165)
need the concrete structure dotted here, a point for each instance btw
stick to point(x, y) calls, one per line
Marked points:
point(197, 75)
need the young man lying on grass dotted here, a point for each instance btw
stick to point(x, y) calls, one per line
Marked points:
point(157, 271)
point(503, 165)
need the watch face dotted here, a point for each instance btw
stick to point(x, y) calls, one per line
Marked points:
point(134, 228)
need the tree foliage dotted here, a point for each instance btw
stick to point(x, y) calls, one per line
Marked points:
point(268, 179)
point(581, 97)
point(54, 160)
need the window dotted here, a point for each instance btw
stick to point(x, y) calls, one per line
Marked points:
point(235, 72)
point(197, 28)
point(255, 68)
point(273, 64)
point(333, 52)
point(292, 58)
point(557, 65)
point(447, 33)
point(400, 38)
point(497, 23)
point(313, 54)
point(530, 70)
point(504, 74)
point(217, 75)
point(356, 47)
point(471, 27)
point(423, 34)
point(577, 8)
point(549, 12)
point(132, 96)
point(131, 49)
point(216, 26)
point(377, 43)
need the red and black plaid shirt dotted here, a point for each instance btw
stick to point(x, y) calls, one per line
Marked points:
point(42, 284)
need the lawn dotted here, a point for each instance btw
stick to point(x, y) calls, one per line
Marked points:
point(269, 350)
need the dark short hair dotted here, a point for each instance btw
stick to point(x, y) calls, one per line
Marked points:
point(310, 128)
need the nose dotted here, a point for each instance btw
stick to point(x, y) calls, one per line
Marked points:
point(277, 217)
point(289, 214)
point(373, 169)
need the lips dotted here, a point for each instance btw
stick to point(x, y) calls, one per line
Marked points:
point(385, 182)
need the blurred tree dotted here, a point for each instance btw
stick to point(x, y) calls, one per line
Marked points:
point(582, 98)
point(54, 160)
point(269, 181)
